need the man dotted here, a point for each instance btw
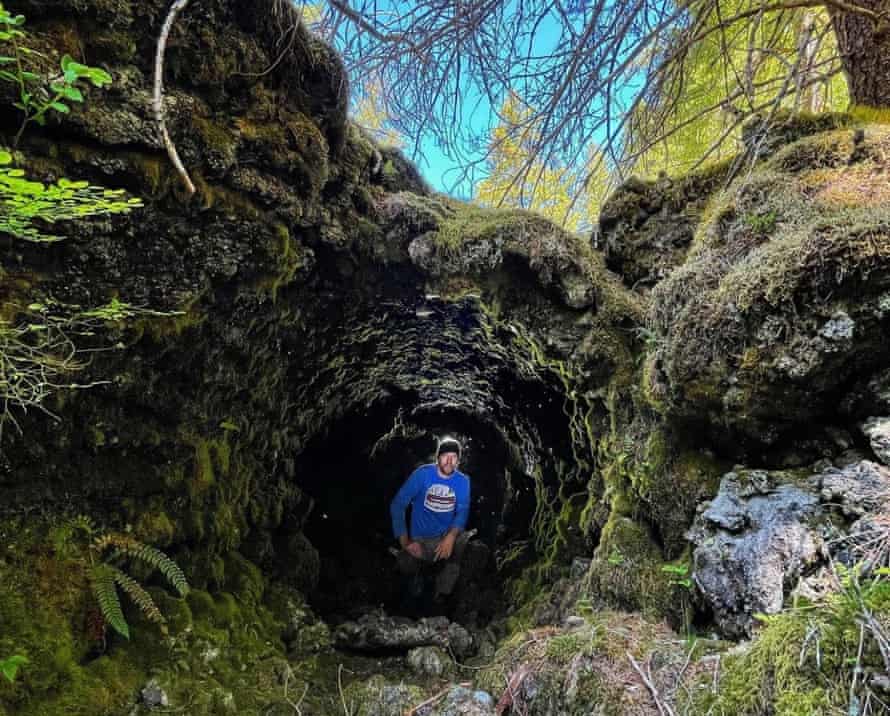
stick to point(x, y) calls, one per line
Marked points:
point(439, 495)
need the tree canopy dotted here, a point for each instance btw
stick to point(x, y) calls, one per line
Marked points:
point(618, 85)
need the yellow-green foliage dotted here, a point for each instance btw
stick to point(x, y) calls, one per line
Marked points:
point(801, 662)
point(627, 571)
point(807, 223)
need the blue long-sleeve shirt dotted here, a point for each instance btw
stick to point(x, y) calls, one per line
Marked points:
point(437, 503)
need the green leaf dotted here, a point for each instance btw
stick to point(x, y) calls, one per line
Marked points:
point(5, 157)
point(6, 60)
point(72, 93)
point(98, 76)
point(9, 667)
point(60, 107)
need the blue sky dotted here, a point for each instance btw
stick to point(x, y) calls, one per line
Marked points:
point(443, 171)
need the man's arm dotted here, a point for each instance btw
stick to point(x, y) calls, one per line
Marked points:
point(397, 508)
point(461, 513)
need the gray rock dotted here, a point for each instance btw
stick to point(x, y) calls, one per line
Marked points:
point(376, 631)
point(573, 622)
point(462, 701)
point(752, 542)
point(856, 488)
point(877, 430)
point(428, 660)
point(153, 696)
point(839, 328)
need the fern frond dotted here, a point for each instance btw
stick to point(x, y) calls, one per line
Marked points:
point(140, 597)
point(114, 539)
point(102, 578)
point(164, 564)
point(127, 546)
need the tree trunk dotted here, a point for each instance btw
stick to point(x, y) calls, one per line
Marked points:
point(865, 52)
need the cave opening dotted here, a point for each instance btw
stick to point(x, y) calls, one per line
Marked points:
point(353, 471)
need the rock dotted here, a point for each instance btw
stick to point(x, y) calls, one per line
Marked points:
point(429, 660)
point(573, 622)
point(858, 488)
point(462, 701)
point(377, 697)
point(759, 332)
point(376, 631)
point(757, 536)
point(877, 430)
point(153, 696)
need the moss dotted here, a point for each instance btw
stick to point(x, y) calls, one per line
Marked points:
point(287, 255)
point(826, 223)
point(153, 525)
point(779, 672)
point(627, 572)
point(153, 173)
point(215, 136)
point(227, 201)
point(244, 579)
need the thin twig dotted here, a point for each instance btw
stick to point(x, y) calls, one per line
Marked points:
point(158, 99)
point(663, 708)
point(346, 709)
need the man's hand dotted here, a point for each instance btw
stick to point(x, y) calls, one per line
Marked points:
point(413, 548)
point(444, 548)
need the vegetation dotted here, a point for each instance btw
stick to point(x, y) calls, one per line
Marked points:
point(648, 84)
point(9, 666)
point(37, 93)
point(25, 204)
point(107, 575)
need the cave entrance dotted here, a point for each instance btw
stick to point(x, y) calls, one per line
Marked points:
point(352, 473)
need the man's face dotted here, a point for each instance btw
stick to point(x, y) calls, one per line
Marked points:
point(447, 462)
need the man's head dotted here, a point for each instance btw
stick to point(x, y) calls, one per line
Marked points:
point(448, 456)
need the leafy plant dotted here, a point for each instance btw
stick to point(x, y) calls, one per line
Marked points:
point(679, 575)
point(615, 557)
point(9, 666)
point(39, 94)
point(762, 223)
point(23, 201)
point(108, 575)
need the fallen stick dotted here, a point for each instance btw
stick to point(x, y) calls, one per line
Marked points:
point(663, 708)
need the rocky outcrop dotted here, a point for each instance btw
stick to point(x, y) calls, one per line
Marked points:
point(646, 227)
point(781, 306)
point(376, 632)
point(752, 543)
point(765, 531)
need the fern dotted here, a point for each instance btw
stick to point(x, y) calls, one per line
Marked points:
point(102, 578)
point(140, 597)
point(106, 577)
point(127, 546)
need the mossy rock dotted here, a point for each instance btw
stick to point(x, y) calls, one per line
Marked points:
point(626, 572)
point(779, 302)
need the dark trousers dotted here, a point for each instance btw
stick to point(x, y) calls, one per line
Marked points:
point(450, 568)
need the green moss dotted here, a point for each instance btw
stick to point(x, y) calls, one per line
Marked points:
point(779, 672)
point(153, 525)
point(635, 579)
point(215, 136)
point(287, 257)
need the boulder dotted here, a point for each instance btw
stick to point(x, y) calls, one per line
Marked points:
point(753, 542)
